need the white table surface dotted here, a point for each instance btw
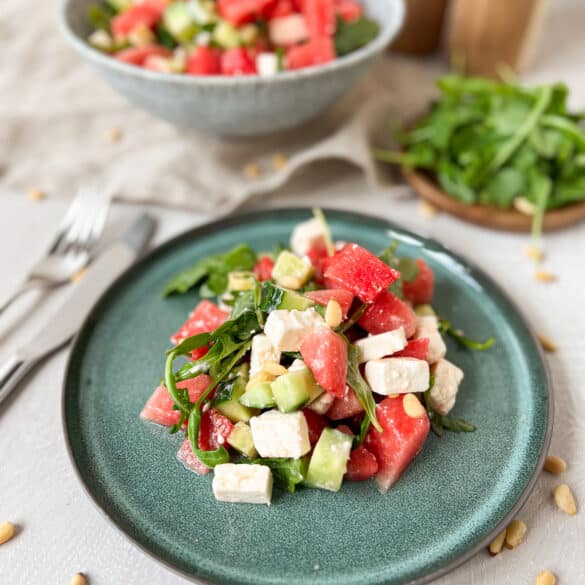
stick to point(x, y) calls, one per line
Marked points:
point(61, 530)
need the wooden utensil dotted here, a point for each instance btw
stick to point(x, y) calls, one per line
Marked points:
point(488, 215)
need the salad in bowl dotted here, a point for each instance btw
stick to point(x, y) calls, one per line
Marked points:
point(318, 363)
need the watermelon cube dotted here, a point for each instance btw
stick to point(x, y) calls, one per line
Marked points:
point(139, 55)
point(280, 9)
point(159, 407)
point(320, 17)
point(204, 61)
point(420, 290)
point(237, 62)
point(400, 441)
point(415, 348)
point(318, 256)
point(186, 456)
point(214, 430)
point(348, 10)
point(239, 12)
point(145, 14)
point(263, 268)
point(322, 297)
point(315, 52)
point(361, 465)
point(325, 353)
point(357, 270)
point(387, 313)
point(204, 318)
point(315, 423)
point(345, 407)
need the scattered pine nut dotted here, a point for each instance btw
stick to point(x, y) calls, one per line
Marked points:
point(564, 499)
point(545, 578)
point(544, 276)
point(547, 344)
point(7, 531)
point(78, 579)
point(333, 314)
point(555, 465)
point(524, 206)
point(427, 210)
point(534, 253)
point(35, 194)
point(291, 282)
point(497, 543)
point(412, 406)
point(114, 135)
point(78, 275)
point(515, 534)
point(273, 369)
point(252, 170)
point(279, 161)
point(261, 376)
point(141, 35)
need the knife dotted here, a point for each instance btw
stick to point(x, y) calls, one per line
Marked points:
point(66, 321)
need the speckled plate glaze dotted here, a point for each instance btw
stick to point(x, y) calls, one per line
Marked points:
point(449, 503)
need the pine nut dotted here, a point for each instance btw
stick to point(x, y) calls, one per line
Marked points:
point(35, 194)
point(79, 579)
point(427, 210)
point(291, 282)
point(114, 135)
point(547, 344)
point(564, 499)
point(333, 314)
point(78, 275)
point(497, 543)
point(259, 377)
point(544, 276)
point(412, 406)
point(534, 253)
point(515, 534)
point(555, 465)
point(279, 161)
point(252, 170)
point(7, 531)
point(545, 578)
point(273, 369)
point(524, 206)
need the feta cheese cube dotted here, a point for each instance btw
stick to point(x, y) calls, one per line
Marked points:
point(285, 329)
point(428, 326)
point(277, 434)
point(298, 366)
point(322, 403)
point(444, 391)
point(262, 351)
point(307, 235)
point(242, 483)
point(397, 375)
point(383, 344)
point(267, 64)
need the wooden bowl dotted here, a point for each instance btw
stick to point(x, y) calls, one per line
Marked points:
point(488, 215)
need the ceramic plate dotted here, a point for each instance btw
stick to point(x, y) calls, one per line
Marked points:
point(456, 495)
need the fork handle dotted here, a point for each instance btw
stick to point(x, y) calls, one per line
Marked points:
point(11, 373)
point(23, 288)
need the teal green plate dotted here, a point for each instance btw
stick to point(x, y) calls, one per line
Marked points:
point(449, 503)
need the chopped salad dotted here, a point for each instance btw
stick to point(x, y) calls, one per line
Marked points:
point(318, 363)
point(229, 37)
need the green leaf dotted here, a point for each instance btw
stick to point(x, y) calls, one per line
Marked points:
point(287, 473)
point(213, 270)
point(503, 188)
point(360, 386)
point(446, 326)
point(100, 17)
point(456, 425)
point(209, 458)
point(164, 37)
point(351, 36)
point(364, 428)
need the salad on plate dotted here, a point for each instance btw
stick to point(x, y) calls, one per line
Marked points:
point(229, 37)
point(318, 363)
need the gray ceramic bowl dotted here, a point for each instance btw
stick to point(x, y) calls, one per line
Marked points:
point(234, 106)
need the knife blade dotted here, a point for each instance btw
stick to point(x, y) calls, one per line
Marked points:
point(65, 322)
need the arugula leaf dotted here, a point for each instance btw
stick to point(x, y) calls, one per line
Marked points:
point(360, 386)
point(350, 36)
point(213, 270)
point(407, 267)
point(164, 37)
point(364, 428)
point(100, 16)
point(446, 326)
point(287, 473)
point(456, 425)
point(355, 317)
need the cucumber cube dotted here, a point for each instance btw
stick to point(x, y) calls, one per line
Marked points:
point(226, 35)
point(291, 391)
point(291, 271)
point(179, 21)
point(258, 396)
point(241, 440)
point(274, 297)
point(314, 389)
point(329, 460)
point(241, 281)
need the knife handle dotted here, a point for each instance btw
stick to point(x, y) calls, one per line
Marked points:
point(11, 373)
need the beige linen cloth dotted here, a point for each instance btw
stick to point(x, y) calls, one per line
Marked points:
point(55, 115)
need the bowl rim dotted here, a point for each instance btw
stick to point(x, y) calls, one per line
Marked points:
point(388, 31)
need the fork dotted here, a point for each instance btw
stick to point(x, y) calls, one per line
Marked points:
point(74, 242)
